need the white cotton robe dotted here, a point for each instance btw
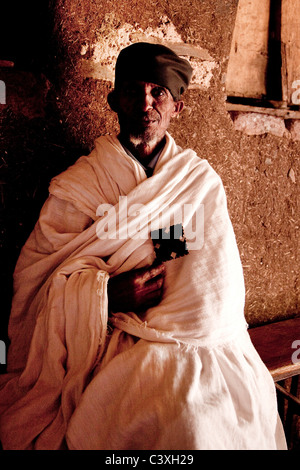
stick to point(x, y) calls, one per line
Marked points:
point(184, 374)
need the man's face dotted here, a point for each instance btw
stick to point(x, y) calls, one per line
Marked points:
point(144, 111)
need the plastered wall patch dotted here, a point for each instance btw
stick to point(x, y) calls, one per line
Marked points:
point(112, 37)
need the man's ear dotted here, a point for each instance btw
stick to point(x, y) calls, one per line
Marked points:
point(178, 107)
point(112, 100)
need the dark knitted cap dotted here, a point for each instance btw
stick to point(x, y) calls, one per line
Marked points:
point(153, 63)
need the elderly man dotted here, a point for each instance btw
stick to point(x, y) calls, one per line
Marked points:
point(119, 339)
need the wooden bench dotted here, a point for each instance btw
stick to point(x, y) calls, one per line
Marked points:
point(278, 345)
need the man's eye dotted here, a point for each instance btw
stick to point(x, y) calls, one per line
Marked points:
point(159, 92)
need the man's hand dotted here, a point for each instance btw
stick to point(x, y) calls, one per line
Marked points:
point(136, 290)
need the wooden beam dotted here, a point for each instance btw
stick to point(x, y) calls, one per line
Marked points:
point(292, 398)
point(290, 38)
point(278, 112)
point(248, 60)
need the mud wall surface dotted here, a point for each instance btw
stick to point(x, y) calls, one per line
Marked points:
point(56, 106)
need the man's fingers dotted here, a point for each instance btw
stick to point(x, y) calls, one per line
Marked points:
point(156, 281)
point(152, 285)
point(150, 273)
point(136, 290)
point(157, 270)
point(150, 294)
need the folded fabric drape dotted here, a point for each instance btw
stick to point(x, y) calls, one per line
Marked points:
point(184, 374)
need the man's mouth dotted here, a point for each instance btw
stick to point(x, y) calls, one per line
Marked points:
point(148, 120)
point(141, 123)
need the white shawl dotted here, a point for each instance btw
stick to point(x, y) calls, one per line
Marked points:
point(66, 374)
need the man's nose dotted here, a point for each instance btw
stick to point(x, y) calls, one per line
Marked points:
point(146, 101)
